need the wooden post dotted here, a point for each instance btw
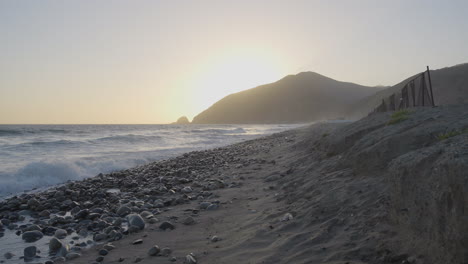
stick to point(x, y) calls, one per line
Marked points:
point(413, 92)
point(430, 86)
point(422, 86)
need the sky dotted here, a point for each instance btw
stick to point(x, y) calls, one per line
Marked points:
point(150, 62)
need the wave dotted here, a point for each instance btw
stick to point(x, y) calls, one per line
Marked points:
point(30, 131)
point(238, 130)
point(130, 138)
point(48, 173)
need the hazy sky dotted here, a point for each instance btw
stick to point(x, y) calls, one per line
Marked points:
point(154, 61)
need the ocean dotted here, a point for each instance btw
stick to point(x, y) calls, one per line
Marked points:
point(35, 157)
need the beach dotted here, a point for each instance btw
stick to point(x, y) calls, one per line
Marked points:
point(333, 192)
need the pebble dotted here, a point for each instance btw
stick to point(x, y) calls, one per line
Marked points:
point(166, 251)
point(212, 207)
point(190, 259)
point(30, 252)
point(287, 217)
point(154, 250)
point(8, 255)
point(72, 255)
point(100, 259)
point(188, 221)
point(60, 233)
point(204, 205)
point(215, 239)
point(138, 241)
point(103, 252)
point(32, 236)
point(136, 220)
point(109, 247)
point(166, 225)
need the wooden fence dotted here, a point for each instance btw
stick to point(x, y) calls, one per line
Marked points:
point(416, 92)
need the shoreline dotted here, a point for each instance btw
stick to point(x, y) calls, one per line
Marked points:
point(326, 193)
point(38, 214)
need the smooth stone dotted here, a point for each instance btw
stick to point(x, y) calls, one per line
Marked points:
point(138, 241)
point(204, 205)
point(188, 221)
point(32, 236)
point(287, 217)
point(166, 252)
point(124, 210)
point(33, 228)
point(153, 220)
point(55, 244)
point(103, 252)
point(60, 233)
point(109, 247)
point(154, 250)
point(215, 239)
point(212, 207)
point(30, 252)
point(100, 259)
point(136, 220)
point(166, 225)
point(72, 255)
point(8, 255)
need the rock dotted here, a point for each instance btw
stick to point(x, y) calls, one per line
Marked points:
point(9, 255)
point(33, 203)
point(60, 233)
point(109, 247)
point(190, 259)
point(136, 220)
point(72, 255)
point(124, 210)
point(188, 221)
point(103, 252)
point(183, 120)
point(173, 259)
point(212, 207)
point(32, 236)
point(145, 214)
point(154, 250)
point(215, 239)
point(187, 189)
point(44, 213)
point(204, 205)
point(55, 244)
point(166, 225)
point(137, 242)
point(100, 237)
point(100, 259)
point(33, 228)
point(166, 252)
point(153, 220)
point(287, 217)
point(62, 252)
point(30, 252)
point(137, 259)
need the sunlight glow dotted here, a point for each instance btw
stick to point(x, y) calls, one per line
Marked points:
point(231, 74)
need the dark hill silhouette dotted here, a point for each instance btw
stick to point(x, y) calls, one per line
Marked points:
point(450, 86)
point(304, 97)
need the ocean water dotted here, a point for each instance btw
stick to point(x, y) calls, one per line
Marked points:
point(38, 156)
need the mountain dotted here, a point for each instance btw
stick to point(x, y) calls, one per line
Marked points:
point(449, 85)
point(304, 97)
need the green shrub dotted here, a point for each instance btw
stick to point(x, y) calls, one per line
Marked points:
point(398, 117)
point(452, 133)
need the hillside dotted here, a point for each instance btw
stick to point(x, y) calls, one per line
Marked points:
point(450, 86)
point(297, 98)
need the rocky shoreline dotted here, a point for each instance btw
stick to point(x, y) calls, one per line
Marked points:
point(328, 193)
point(108, 208)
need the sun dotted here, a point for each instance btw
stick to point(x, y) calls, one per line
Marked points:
point(231, 74)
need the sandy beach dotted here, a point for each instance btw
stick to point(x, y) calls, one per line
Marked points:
point(333, 192)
